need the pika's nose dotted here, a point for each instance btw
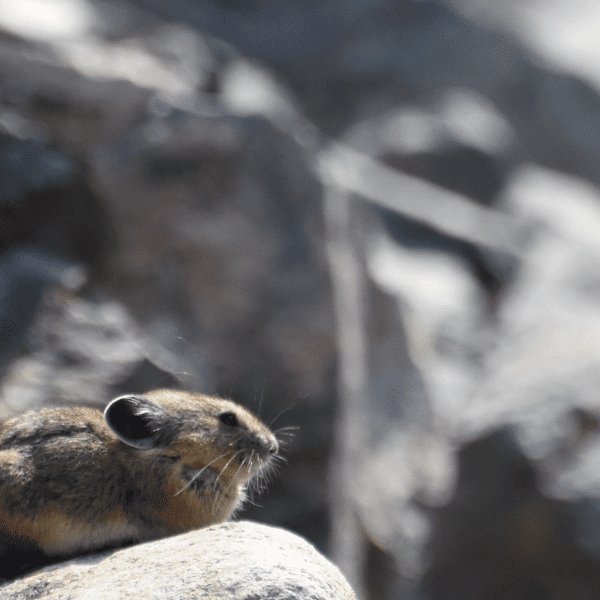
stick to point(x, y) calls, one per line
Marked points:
point(269, 444)
point(265, 443)
point(272, 445)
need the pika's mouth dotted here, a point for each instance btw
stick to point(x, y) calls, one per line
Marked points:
point(252, 463)
point(201, 481)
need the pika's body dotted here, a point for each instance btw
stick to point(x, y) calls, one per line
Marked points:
point(74, 481)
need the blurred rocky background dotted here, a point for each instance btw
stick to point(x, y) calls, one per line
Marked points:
point(377, 222)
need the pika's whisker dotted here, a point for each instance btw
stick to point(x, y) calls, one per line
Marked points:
point(189, 483)
point(298, 399)
point(232, 479)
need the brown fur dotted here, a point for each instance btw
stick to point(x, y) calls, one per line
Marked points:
point(69, 485)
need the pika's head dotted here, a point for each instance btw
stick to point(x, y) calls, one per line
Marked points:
point(202, 432)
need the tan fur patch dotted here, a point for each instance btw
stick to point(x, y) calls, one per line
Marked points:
point(56, 533)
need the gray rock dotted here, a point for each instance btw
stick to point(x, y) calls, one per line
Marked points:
point(233, 561)
point(81, 352)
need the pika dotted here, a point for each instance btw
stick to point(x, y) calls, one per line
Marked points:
point(74, 481)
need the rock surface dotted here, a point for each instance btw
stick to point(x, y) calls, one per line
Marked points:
point(233, 561)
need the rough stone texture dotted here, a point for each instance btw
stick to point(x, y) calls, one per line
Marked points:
point(46, 201)
point(350, 61)
point(539, 545)
point(237, 561)
point(82, 352)
point(485, 442)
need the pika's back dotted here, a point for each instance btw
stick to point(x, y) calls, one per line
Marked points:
point(74, 480)
point(48, 454)
point(39, 427)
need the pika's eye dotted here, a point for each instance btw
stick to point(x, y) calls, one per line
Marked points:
point(229, 419)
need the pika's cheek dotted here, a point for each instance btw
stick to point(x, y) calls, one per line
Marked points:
point(236, 473)
point(198, 452)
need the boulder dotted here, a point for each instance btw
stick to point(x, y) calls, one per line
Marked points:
point(233, 561)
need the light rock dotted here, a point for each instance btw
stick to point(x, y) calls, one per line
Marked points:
point(230, 561)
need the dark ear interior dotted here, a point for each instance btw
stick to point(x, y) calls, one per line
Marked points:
point(133, 420)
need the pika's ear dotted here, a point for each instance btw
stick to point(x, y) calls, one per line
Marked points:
point(135, 421)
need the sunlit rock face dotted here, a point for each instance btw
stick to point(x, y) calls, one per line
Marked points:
point(233, 560)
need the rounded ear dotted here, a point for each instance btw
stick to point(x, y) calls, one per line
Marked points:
point(133, 419)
